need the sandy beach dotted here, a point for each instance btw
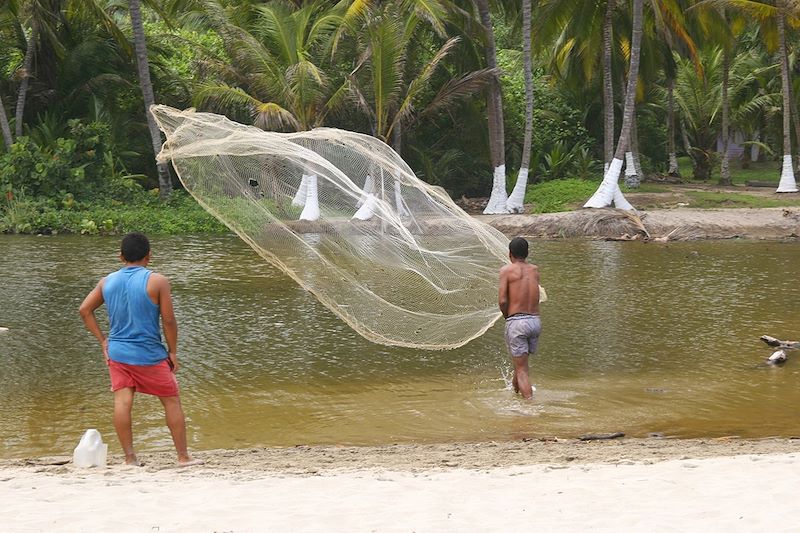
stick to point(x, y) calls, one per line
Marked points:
point(725, 484)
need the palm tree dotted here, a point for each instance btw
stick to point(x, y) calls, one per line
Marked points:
point(143, 68)
point(609, 192)
point(8, 139)
point(699, 100)
point(25, 72)
point(768, 14)
point(517, 198)
point(718, 24)
point(494, 109)
point(608, 86)
point(379, 82)
point(787, 182)
point(277, 68)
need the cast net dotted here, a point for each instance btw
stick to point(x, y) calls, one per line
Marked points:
point(345, 217)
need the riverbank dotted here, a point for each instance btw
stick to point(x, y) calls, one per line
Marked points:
point(570, 485)
point(660, 225)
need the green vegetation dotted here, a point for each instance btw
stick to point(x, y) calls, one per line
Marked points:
point(145, 212)
point(559, 195)
point(78, 156)
point(766, 171)
point(703, 199)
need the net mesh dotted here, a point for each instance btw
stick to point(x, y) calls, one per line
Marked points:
point(344, 216)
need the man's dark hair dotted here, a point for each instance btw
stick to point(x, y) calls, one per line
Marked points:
point(518, 247)
point(134, 247)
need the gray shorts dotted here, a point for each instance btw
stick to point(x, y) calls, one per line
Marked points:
point(522, 334)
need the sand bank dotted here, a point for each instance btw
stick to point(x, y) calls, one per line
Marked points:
point(777, 223)
point(633, 485)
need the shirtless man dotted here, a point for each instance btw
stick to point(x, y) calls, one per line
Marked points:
point(519, 303)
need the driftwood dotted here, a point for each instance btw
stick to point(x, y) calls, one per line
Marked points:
point(603, 436)
point(777, 343)
point(779, 356)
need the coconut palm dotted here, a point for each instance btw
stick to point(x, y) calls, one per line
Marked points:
point(515, 201)
point(772, 16)
point(699, 100)
point(609, 192)
point(722, 26)
point(146, 85)
point(278, 68)
point(494, 110)
point(379, 82)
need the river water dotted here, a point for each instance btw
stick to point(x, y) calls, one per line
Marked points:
point(640, 338)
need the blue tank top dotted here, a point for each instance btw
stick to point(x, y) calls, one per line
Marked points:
point(134, 337)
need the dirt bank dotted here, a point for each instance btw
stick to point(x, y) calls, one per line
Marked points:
point(777, 223)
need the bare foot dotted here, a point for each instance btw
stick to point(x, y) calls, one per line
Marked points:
point(133, 461)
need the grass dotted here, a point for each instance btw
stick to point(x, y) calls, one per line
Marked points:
point(708, 199)
point(769, 171)
point(559, 195)
point(568, 194)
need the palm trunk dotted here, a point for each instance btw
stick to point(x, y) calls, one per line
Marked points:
point(8, 139)
point(609, 191)
point(494, 109)
point(687, 146)
point(27, 68)
point(787, 183)
point(637, 161)
point(517, 198)
point(608, 87)
point(164, 182)
point(795, 120)
point(725, 170)
point(673, 157)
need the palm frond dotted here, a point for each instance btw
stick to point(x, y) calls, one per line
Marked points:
point(460, 88)
point(272, 117)
point(421, 81)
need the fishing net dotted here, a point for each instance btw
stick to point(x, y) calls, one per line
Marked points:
point(345, 217)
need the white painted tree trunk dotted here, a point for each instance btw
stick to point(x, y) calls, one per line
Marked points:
point(299, 199)
point(311, 209)
point(366, 211)
point(369, 188)
point(499, 198)
point(609, 192)
point(399, 204)
point(517, 199)
point(787, 183)
point(673, 164)
point(631, 175)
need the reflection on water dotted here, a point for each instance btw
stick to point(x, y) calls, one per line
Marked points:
point(637, 338)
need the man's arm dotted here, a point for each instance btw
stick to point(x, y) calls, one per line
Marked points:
point(168, 322)
point(92, 301)
point(502, 299)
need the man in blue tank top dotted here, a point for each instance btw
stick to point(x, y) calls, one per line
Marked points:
point(136, 298)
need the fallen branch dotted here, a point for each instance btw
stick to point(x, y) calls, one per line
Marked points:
point(603, 436)
point(777, 343)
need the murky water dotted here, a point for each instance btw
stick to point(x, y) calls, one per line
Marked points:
point(637, 338)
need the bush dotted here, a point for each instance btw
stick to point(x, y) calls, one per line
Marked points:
point(555, 121)
point(78, 165)
point(180, 215)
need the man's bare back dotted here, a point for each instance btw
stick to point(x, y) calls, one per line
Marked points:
point(519, 288)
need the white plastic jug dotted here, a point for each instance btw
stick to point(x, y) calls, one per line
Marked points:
point(90, 451)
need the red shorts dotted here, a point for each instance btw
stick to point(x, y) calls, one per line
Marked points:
point(158, 380)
